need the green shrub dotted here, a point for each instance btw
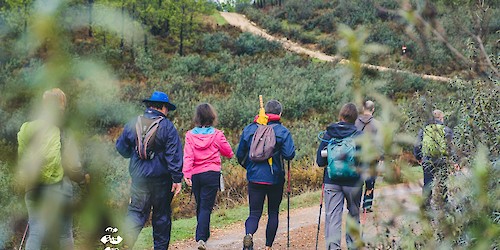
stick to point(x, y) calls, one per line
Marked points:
point(214, 42)
point(328, 45)
point(326, 23)
point(250, 44)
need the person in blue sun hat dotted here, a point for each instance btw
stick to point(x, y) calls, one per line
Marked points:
point(155, 150)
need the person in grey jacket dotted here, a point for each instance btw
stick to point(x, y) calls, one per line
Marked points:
point(369, 125)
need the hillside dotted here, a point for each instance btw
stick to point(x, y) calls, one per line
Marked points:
point(109, 55)
point(439, 37)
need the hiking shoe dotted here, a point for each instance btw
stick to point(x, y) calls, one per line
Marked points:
point(368, 210)
point(202, 245)
point(248, 242)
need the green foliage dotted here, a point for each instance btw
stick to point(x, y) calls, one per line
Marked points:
point(214, 42)
point(393, 28)
point(250, 44)
point(105, 85)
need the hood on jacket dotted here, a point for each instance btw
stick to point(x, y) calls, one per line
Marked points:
point(341, 129)
point(365, 119)
point(202, 138)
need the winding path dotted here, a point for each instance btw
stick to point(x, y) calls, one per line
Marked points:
point(240, 21)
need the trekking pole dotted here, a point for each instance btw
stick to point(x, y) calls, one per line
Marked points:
point(24, 236)
point(319, 217)
point(363, 220)
point(288, 209)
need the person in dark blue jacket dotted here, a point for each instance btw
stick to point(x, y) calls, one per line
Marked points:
point(432, 163)
point(265, 180)
point(337, 191)
point(156, 180)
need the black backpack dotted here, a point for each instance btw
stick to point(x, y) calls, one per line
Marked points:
point(146, 132)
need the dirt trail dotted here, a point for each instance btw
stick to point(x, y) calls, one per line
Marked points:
point(240, 21)
point(303, 223)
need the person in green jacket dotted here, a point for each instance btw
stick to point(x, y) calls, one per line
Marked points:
point(48, 190)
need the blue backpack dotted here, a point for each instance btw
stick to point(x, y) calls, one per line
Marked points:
point(340, 154)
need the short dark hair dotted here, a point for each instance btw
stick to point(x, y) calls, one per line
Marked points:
point(348, 113)
point(273, 107)
point(155, 105)
point(205, 115)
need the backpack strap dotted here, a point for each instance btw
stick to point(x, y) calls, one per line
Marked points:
point(138, 133)
point(365, 123)
point(142, 142)
point(321, 135)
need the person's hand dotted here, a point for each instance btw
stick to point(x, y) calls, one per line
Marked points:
point(176, 188)
point(456, 166)
point(188, 181)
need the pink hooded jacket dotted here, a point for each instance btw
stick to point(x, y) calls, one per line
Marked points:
point(202, 152)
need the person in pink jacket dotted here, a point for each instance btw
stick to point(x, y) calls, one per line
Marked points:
point(202, 165)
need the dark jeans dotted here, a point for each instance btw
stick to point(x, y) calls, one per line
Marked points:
point(430, 166)
point(368, 198)
point(256, 195)
point(145, 195)
point(205, 186)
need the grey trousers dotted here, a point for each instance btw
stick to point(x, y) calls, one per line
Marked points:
point(49, 216)
point(334, 206)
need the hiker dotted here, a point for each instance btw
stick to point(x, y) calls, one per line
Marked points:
point(266, 177)
point(204, 145)
point(153, 145)
point(48, 161)
point(432, 151)
point(369, 125)
point(340, 186)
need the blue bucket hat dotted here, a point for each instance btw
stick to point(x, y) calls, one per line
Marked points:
point(159, 96)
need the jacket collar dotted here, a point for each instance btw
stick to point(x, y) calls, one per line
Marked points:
point(272, 118)
point(149, 112)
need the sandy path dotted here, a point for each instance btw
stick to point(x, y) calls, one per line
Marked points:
point(303, 223)
point(240, 21)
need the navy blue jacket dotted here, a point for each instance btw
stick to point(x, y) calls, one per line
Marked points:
point(260, 172)
point(338, 130)
point(167, 162)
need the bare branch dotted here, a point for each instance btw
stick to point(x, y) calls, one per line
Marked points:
point(486, 57)
point(441, 38)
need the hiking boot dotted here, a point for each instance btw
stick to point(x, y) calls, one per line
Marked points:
point(268, 248)
point(368, 210)
point(248, 242)
point(202, 245)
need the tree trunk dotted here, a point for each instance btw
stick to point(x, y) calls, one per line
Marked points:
point(146, 41)
point(132, 37)
point(144, 27)
point(90, 6)
point(25, 28)
point(123, 26)
point(181, 33)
